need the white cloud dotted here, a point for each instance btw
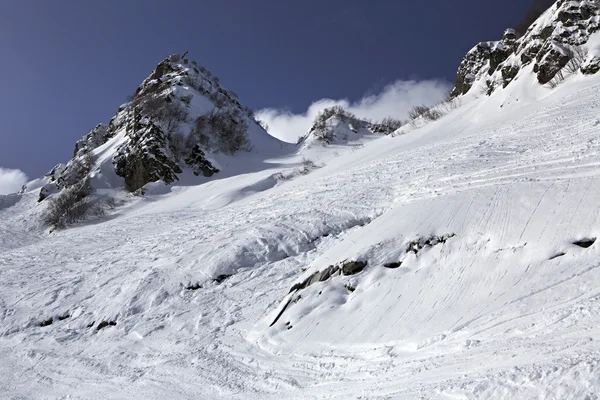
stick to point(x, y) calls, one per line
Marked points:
point(11, 180)
point(394, 101)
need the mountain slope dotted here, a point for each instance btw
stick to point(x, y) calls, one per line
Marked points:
point(513, 194)
point(554, 45)
point(457, 261)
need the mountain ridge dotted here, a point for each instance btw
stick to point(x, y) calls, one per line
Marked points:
point(551, 42)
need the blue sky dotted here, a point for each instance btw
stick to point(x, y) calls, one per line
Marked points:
point(67, 64)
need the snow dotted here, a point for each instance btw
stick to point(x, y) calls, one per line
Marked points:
point(593, 45)
point(492, 313)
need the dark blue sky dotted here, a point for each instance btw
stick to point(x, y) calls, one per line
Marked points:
point(68, 64)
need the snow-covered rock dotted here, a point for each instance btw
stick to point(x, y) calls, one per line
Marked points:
point(179, 118)
point(337, 126)
point(96, 138)
point(558, 36)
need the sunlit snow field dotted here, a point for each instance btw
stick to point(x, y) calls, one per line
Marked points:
point(193, 277)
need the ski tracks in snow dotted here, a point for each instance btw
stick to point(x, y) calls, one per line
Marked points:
point(192, 288)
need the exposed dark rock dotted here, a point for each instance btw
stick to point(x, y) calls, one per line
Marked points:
point(105, 324)
point(501, 50)
point(64, 316)
point(347, 268)
point(419, 244)
point(53, 176)
point(491, 86)
point(509, 72)
point(509, 35)
point(163, 68)
point(155, 145)
point(546, 33)
point(297, 286)
point(323, 275)
point(46, 322)
point(318, 276)
point(56, 172)
point(498, 56)
point(221, 278)
point(353, 267)
point(97, 137)
point(143, 158)
point(553, 59)
point(585, 243)
point(282, 310)
point(470, 67)
point(530, 53)
point(393, 265)
point(197, 160)
point(557, 255)
point(195, 286)
point(326, 130)
point(592, 66)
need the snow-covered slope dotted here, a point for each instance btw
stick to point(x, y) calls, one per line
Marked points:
point(457, 261)
point(496, 311)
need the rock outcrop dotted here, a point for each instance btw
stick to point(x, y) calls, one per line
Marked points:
point(97, 137)
point(555, 39)
point(145, 156)
point(335, 125)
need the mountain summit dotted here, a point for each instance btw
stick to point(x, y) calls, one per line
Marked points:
point(179, 118)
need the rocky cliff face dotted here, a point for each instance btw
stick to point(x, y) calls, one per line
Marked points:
point(96, 138)
point(179, 117)
point(556, 39)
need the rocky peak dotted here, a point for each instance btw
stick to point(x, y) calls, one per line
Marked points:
point(179, 117)
point(550, 43)
point(337, 125)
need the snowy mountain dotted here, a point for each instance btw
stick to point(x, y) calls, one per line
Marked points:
point(457, 260)
point(180, 118)
point(553, 45)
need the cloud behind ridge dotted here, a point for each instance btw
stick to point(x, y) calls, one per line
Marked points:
point(395, 100)
point(11, 180)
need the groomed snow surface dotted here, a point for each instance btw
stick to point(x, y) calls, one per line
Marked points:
point(507, 308)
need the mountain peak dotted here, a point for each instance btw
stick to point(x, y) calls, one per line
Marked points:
point(180, 117)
